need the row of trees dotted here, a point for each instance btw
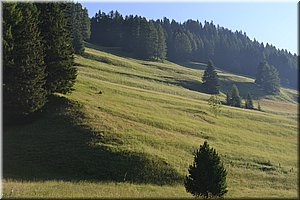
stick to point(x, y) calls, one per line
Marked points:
point(191, 40)
point(267, 78)
point(234, 99)
point(38, 47)
point(78, 25)
point(146, 39)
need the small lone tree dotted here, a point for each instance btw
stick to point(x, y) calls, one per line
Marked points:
point(228, 99)
point(215, 104)
point(249, 102)
point(268, 78)
point(210, 79)
point(258, 106)
point(235, 96)
point(207, 175)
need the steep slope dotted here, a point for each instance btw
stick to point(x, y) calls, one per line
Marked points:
point(130, 127)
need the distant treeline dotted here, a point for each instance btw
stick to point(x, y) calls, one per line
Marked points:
point(191, 41)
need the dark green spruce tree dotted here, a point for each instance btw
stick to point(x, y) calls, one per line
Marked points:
point(61, 73)
point(207, 175)
point(86, 25)
point(141, 34)
point(228, 99)
point(210, 79)
point(161, 47)
point(78, 44)
point(23, 64)
point(182, 47)
point(258, 106)
point(12, 16)
point(249, 102)
point(148, 39)
point(268, 78)
point(73, 16)
point(235, 96)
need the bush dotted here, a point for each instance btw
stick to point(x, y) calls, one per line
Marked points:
point(249, 102)
point(215, 104)
point(207, 175)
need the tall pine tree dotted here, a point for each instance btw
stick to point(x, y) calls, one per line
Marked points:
point(148, 39)
point(23, 66)
point(228, 98)
point(249, 102)
point(61, 73)
point(235, 96)
point(181, 48)
point(210, 79)
point(78, 44)
point(12, 16)
point(161, 48)
point(151, 40)
point(207, 175)
point(73, 15)
point(268, 78)
point(86, 25)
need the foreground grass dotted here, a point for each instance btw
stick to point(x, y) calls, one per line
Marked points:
point(83, 189)
point(129, 130)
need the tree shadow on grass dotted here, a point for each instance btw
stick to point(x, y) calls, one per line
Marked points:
point(244, 88)
point(191, 85)
point(225, 86)
point(56, 147)
point(118, 51)
point(193, 65)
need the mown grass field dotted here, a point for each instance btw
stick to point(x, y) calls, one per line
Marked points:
point(130, 127)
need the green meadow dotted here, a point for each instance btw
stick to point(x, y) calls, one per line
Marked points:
point(130, 127)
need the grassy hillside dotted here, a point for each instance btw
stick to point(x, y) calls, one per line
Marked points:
point(130, 127)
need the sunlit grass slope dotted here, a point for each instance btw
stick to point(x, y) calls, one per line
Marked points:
point(130, 127)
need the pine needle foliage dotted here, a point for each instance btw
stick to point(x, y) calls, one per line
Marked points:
point(249, 102)
point(61, 74)
point(210, 79)
point(23, 66)
point(207, 175)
